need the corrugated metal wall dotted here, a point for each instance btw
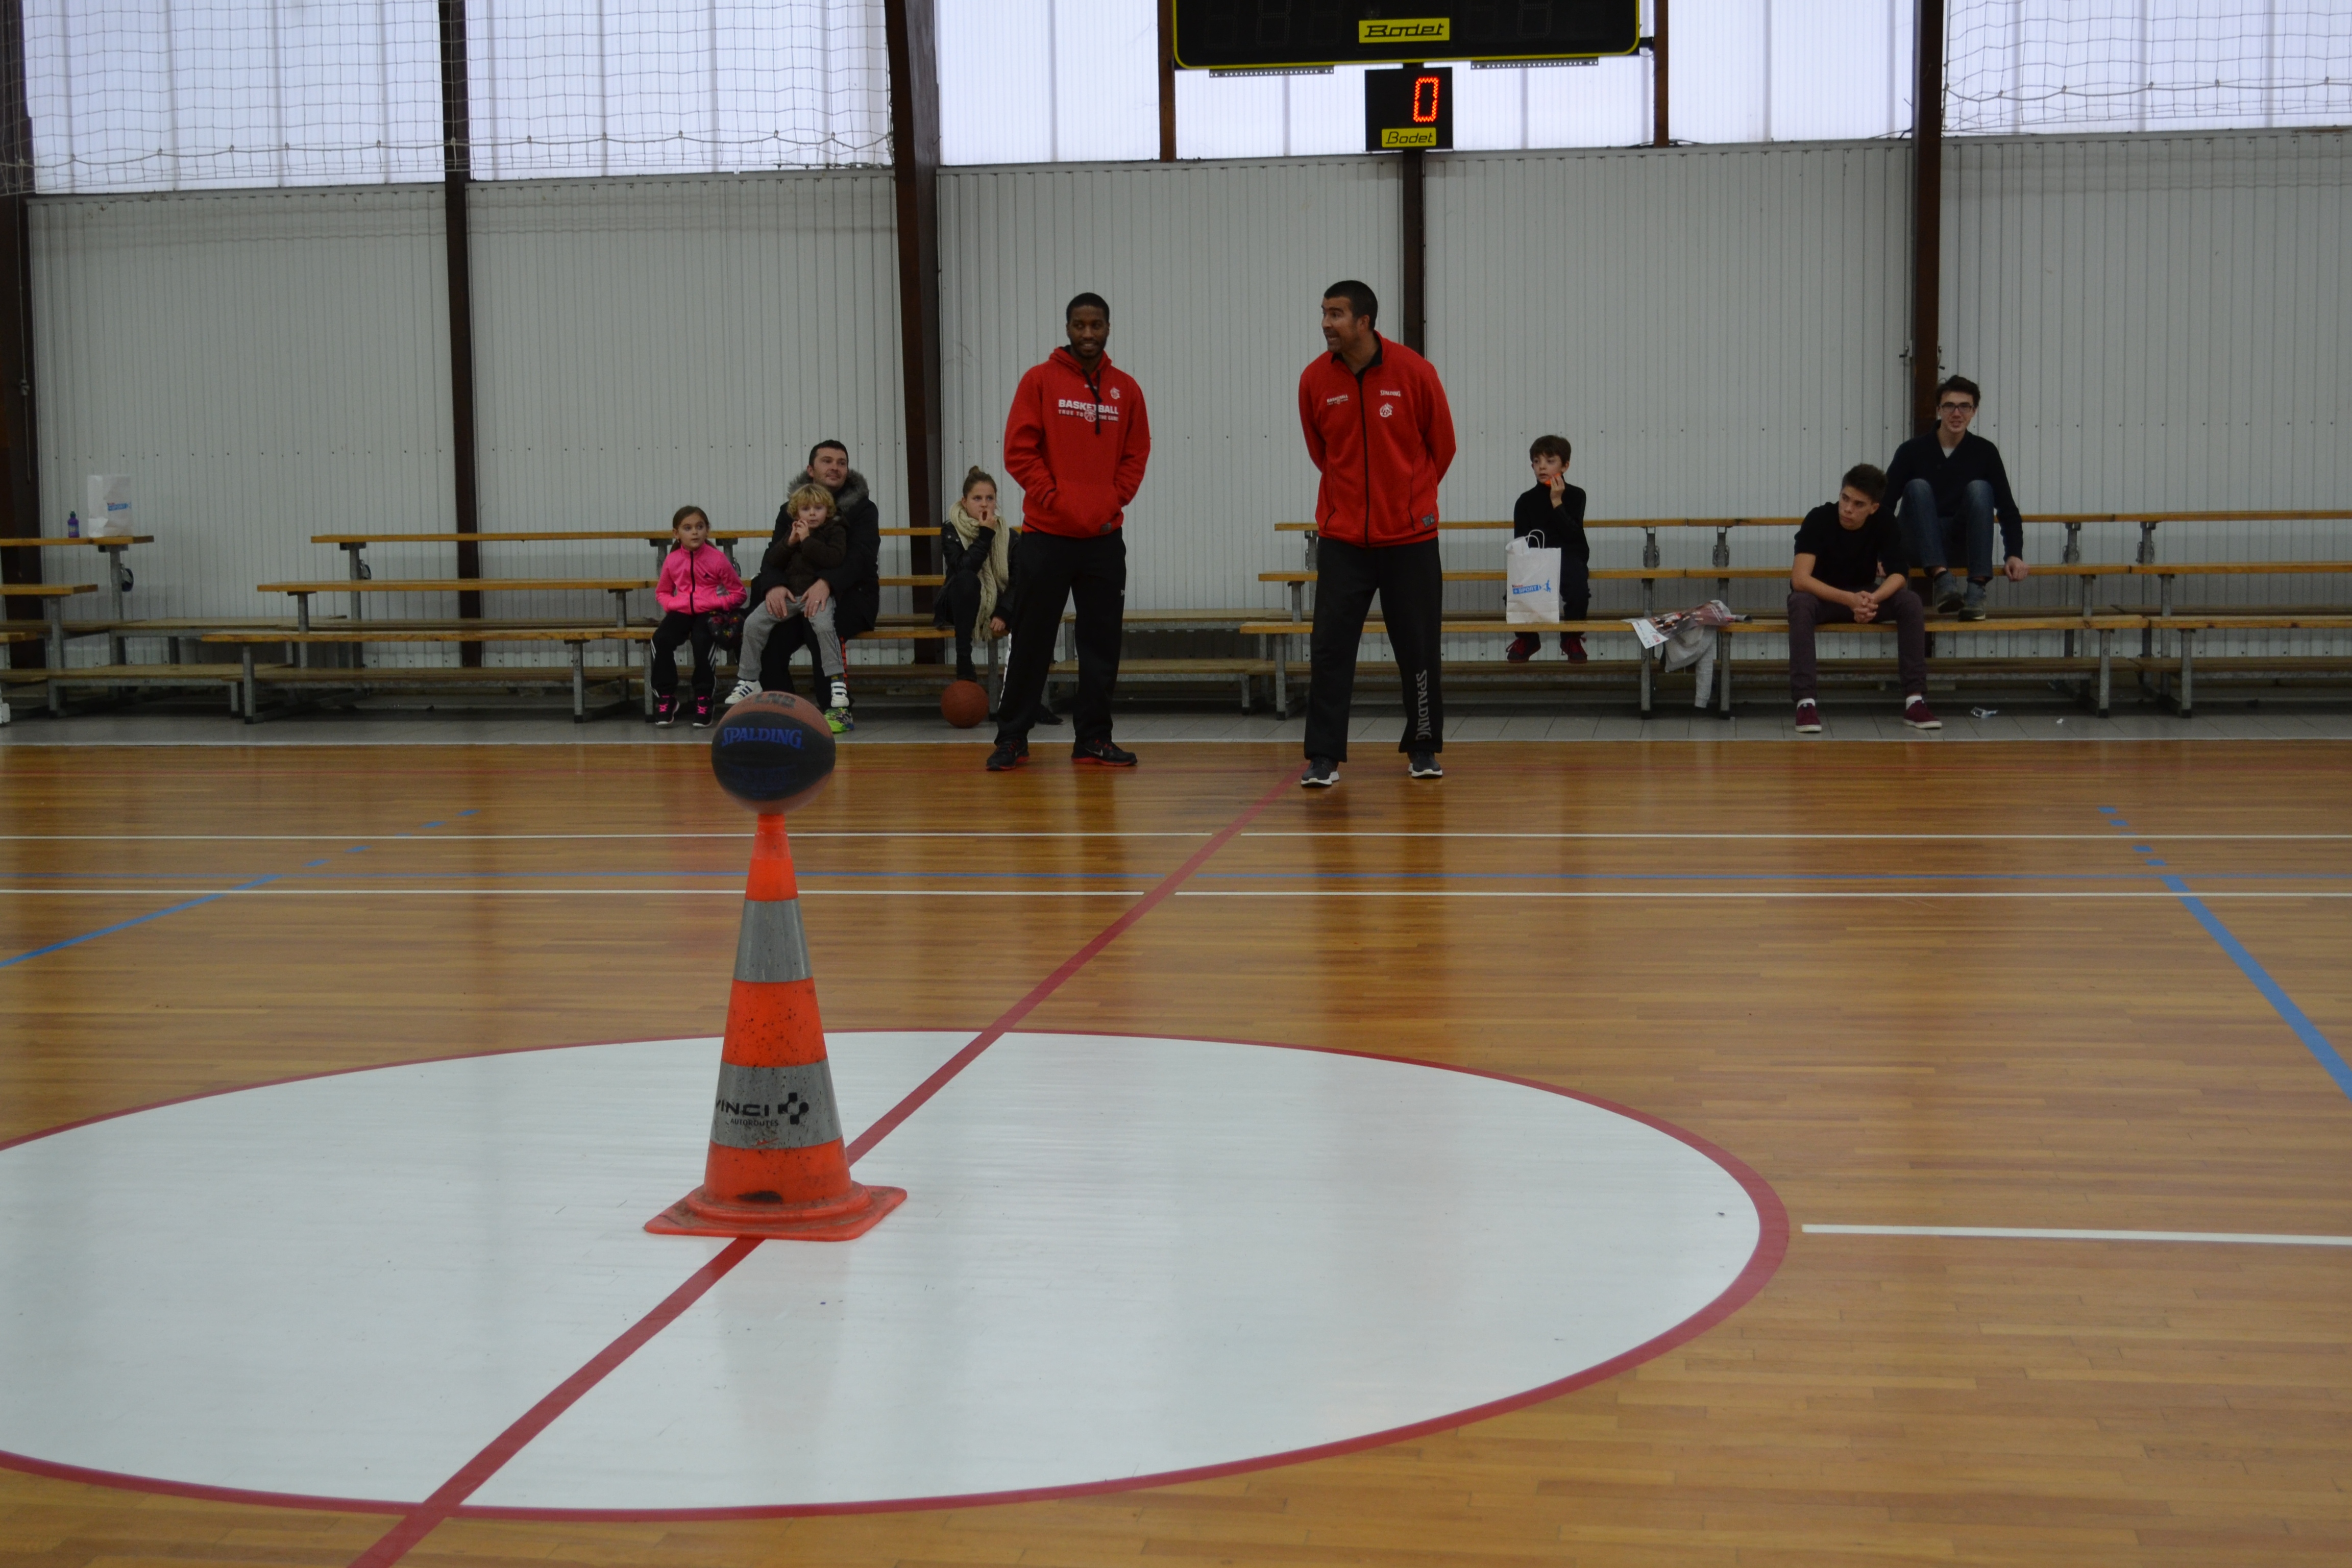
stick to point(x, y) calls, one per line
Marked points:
point(2161, 321)
point(1215, 274)
point(264, 365)
point(2157, 322)
point(1717, 331)
point(641, 344)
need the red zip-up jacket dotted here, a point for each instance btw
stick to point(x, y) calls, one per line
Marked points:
point(1077, 445)
point(1382, 439)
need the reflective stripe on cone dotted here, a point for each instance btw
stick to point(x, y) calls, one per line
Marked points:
point(776, 1166)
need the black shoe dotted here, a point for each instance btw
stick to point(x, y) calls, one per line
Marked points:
point(1949, 594)
point(1046, 716)
point(1008, 755)
point(1102, 755)
point(967, 671)
point(1321, 772)
point(1423, 766)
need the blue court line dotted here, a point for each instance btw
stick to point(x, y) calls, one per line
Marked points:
point(140, 920)
point(2322, 1049)
point(159, 914)
point(2317, 1044)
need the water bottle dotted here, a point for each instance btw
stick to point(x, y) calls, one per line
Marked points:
point(73, 525)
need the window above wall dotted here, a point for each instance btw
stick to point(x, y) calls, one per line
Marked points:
point(157, 95)
point(1073, 80)
point(138, 95)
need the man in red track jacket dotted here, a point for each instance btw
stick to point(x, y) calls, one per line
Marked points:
point(1076, 442)
point(1378, 428)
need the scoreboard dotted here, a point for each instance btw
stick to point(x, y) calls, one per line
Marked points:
point(1274, 34)
point(1405, 110)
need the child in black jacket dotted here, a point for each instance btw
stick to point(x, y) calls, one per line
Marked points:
point(818, 541)
point(1554, 508)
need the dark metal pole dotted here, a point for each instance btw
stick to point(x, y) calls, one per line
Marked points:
point(20, 500)
point(1414, 245)
point(1415, 311)
point(1928, 215)
point(457, 171)
point(1658, 133)
point(1167, 82)
point(911, 36)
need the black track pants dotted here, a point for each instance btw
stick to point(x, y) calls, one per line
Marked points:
point(1051, 571)
point(677, 627)
point(1411, 587)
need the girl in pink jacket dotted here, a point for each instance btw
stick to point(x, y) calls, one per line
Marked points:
point(697, 578)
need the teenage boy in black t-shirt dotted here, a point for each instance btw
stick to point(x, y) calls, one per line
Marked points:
point(1851, 567)
point(1555, 508)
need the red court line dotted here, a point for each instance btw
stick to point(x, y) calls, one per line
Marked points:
point(1763, 1262)
point(422, 1520)
point(451, 1494)
point(1159, 894)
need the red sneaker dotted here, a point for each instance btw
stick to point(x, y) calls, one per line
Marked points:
point(1523, 648)
point(1808, 717)
point(1916, 714)
point(1572, 645)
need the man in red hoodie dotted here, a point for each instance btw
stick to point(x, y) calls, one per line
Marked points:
point(1379, 431)
point(1076, 442)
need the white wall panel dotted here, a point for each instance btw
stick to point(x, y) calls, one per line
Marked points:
point(641, 344)
point(1215, 274)
point(266, 365)
point(1716, 331)
point(2160, 322)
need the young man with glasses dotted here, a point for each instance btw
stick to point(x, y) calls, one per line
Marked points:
point(1949, 485)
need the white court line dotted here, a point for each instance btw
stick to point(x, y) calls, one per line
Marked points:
point(1685, 893)
point(384, 840)
point(285, 892)
point(460, 836)
point(2017, 1234)
point(2108, 836)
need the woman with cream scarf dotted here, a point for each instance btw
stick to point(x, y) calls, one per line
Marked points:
point(977, 590)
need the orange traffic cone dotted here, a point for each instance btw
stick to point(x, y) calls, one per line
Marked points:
point(776, 1165)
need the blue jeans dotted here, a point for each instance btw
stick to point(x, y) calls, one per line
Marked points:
point(1934, 541)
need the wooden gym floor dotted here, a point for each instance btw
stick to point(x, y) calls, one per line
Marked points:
point(1999, 986)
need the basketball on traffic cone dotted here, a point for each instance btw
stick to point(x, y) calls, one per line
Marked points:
point(777, 1167)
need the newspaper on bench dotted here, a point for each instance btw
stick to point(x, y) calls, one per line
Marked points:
point(1656, 631)
point(1685, 638)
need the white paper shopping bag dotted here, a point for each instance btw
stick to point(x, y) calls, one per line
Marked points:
point(1532, 581)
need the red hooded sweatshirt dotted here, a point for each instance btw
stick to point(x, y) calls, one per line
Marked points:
point(1077, 445)
point(1382, 440)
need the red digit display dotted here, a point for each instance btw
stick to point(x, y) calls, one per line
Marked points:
point(1425, 101)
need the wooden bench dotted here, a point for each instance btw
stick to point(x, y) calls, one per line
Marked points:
point(1283, 663)
point(113, 546)
point(2104, 626)
point(53, 597)
point(575, 639)
point(2071, 555)
point(2185, 665)
point(619, 587)
point(121, 676)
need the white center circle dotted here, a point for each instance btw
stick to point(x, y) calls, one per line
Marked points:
point(1122, 1259)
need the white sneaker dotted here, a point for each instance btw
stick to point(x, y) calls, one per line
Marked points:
point(841, 694)
point(742, 688)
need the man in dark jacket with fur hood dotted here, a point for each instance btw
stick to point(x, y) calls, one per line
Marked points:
point(854, 585)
